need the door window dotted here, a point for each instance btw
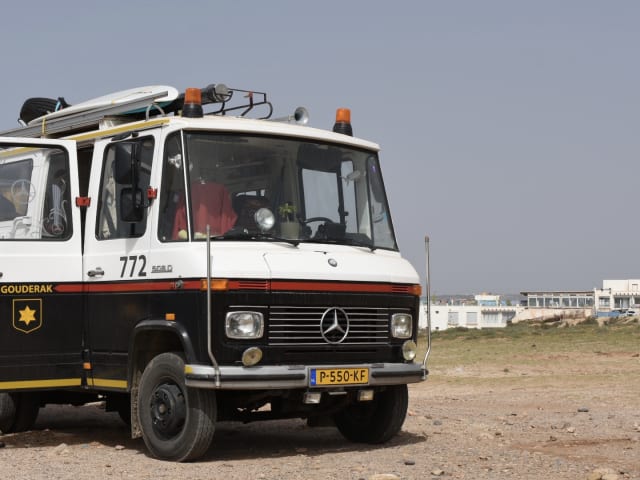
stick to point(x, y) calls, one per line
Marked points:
point(111, 223)
point(35, 199)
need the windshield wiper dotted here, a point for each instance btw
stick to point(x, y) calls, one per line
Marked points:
point(359, 243)
point(254, 236)
point(342, 241)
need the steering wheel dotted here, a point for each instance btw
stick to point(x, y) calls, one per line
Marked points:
point(23, 191)
point(317, 219)
point(329, 229)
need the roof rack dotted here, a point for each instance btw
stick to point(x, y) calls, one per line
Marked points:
point(80, 120)
point(220, 93)
point(137, 109)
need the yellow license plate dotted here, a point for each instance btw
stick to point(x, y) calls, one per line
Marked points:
point(338, 376)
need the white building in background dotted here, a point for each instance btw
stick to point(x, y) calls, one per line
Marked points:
point(549, 305)
point(617, 296)
point(487, 313)
point(559, 300)
point(488, 299)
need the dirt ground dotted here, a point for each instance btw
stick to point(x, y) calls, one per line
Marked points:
point(569, 416)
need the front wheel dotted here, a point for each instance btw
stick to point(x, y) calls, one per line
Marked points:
point(177, 422)
point(375, 421)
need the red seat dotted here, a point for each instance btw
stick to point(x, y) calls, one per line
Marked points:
point(211, 204)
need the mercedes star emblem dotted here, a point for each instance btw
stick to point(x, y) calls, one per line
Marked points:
point(334, 325)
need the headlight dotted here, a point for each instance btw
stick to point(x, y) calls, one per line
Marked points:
point(242, 325)
point(401, 325)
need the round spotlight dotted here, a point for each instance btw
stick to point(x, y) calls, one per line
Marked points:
point(409, 349)
point(264, 219)
point(251, 356)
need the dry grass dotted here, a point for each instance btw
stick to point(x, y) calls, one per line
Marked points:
point(525, 353)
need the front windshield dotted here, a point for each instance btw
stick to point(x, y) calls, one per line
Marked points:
point(257, 187)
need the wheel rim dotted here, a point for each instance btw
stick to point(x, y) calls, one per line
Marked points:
point(168, 410)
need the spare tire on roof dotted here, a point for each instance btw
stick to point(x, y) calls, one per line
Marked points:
point(33, 108)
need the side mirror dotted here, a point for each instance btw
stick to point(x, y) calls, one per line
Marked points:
point(131, 205)
point(126, 163)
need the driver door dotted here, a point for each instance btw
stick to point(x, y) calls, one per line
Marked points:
point(117, 265)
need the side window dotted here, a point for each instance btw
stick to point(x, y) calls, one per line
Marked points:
point(172, 194)
point(35, 199)
point(110, 223)
point(56, 221)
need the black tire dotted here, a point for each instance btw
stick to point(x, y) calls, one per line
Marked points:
point(376, 421)
point(177, 422)
point(33, 108)
point(7, 412)
point(18, 411)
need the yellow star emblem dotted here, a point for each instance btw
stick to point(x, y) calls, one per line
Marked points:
point(27, 315)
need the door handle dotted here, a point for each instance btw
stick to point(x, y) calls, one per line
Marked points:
point(98, 272)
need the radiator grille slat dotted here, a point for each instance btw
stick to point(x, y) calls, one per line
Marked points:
point(289, 325)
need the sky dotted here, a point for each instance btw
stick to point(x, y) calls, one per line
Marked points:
point(509, 129)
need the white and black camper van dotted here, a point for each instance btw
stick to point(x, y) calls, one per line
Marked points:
point(186, 263)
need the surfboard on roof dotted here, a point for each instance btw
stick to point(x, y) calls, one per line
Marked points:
point(115, 98)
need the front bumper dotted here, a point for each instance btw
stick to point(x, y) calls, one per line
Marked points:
point(271, 377)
